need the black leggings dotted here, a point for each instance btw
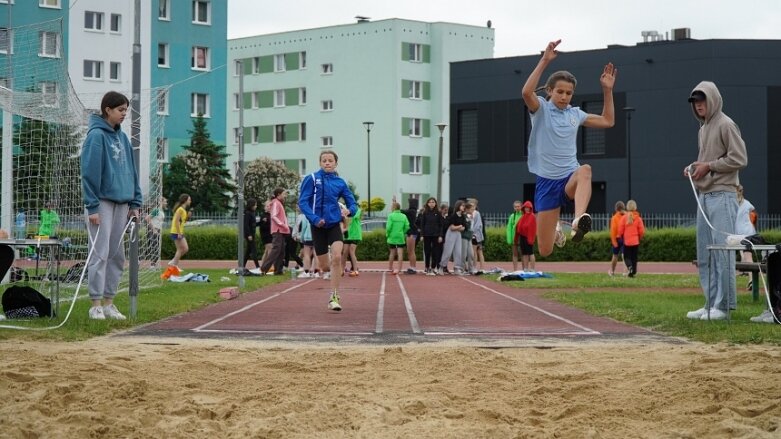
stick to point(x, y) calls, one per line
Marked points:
point(251, 252)
point(432, 251)
point(630, 258)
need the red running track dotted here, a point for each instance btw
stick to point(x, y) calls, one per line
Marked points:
point(381, 307)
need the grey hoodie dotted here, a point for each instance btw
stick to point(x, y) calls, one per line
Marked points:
point(720, 144)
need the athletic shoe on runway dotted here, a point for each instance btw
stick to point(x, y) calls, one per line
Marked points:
point(580, 227)
point(333, 304)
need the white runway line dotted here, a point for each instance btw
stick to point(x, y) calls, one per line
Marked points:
point(250, 306)
point(381, 307)
point(413, 322)
point(536, 308)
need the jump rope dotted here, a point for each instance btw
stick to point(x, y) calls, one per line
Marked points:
point(131, 224)
point(734, 239)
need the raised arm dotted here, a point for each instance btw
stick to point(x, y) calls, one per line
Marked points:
point(528, 91)
point(608, 117)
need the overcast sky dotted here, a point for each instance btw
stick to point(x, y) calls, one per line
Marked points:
point(524, 27)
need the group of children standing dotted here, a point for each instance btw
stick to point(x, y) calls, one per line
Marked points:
point(455, 234)
point(626, 231)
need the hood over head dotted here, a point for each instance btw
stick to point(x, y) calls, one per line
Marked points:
point(710, 92)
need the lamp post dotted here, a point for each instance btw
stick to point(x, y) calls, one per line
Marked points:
point(629, 111)
point(440, 169)
point(368, 126)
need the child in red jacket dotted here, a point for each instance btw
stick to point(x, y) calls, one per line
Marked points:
point(631, 228)
point(525, 235)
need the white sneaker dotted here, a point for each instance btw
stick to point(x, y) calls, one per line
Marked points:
point(255, 271)
point(696, 315)
point(765, 317)
point(327, 275)
point(111, 312)
point(580, 227)
point(333, 304)
point(560, 239)
point(304, 275)
point(96, 313)
point(715, 314)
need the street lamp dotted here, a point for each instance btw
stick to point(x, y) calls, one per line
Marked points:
point(368, 126)
point(441, 170)
point(629, 111)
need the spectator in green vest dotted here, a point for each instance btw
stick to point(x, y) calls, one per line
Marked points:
point(49, 221)
point(512, 221)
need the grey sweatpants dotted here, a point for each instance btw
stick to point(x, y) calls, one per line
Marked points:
point(108, 257)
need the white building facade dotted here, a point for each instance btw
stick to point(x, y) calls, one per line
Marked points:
point(311, 90)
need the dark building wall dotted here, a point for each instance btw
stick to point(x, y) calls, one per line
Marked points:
point(656, 80)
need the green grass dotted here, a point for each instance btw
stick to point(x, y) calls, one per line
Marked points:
point(659, 303)
point(153, 304)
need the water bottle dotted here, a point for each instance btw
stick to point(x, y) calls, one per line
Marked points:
point(293, 273)
point(21, 225)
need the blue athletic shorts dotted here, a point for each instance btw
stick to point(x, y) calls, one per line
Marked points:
point(550, 194)
point(620, 248)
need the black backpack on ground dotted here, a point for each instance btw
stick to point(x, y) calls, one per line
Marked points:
point(21, 301)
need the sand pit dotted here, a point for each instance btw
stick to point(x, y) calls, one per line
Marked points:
point(146, 388)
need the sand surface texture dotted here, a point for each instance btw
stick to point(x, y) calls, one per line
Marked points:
point(139, 388)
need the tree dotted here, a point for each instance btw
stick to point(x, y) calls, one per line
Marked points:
point(201, 172)
point(263, 175)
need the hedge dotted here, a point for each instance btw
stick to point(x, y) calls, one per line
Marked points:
point(661, 245)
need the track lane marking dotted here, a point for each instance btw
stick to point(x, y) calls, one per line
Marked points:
point(413, 321)
point(381, 307)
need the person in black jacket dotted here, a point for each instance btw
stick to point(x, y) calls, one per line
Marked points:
point(250, 226)
point(430, 224)
point(413, 235)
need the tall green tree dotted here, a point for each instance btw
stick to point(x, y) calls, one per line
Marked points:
point(201, 172)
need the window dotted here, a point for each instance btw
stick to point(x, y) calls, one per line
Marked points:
point(415, 52)
point(302, 96)
point(279, 133)
point(256, 99)
point(162, 150)
point(49, 92)
point(6, 40)
point(164, 13)
point(49, 3)
point(116, 23)
point(255, 135)
point(256, 65)
point(162, 55)
point(302, 131)
point(93, 20)
point(279, 62)
point(201, 11)
point(50, 44)
point(327, 69)
point(415, 90)
point(593, 138)
point(93, 69)
point(200, 105)
point(327, 141)
point(238, 67)
point(279, 98)
point(236, 136)
point(114, 71)
point(415, 127)
point(302, 60)
point(5, 83)
point(327, 105)
point(162, 101)
point(200, 58)
point(466, 148)
point(236, 101)
point(415, 164)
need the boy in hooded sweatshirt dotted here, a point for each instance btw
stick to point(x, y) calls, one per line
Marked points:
point(722, 154)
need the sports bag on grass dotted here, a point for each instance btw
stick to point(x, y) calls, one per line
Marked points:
point(21, 301)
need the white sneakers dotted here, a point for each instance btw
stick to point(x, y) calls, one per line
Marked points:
point(696, 315)
point(702, 314)
point(765, 317)
point(105, 312)
point(560, 238)
point(580, 227)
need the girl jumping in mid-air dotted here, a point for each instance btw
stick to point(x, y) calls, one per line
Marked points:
point(553, 150)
